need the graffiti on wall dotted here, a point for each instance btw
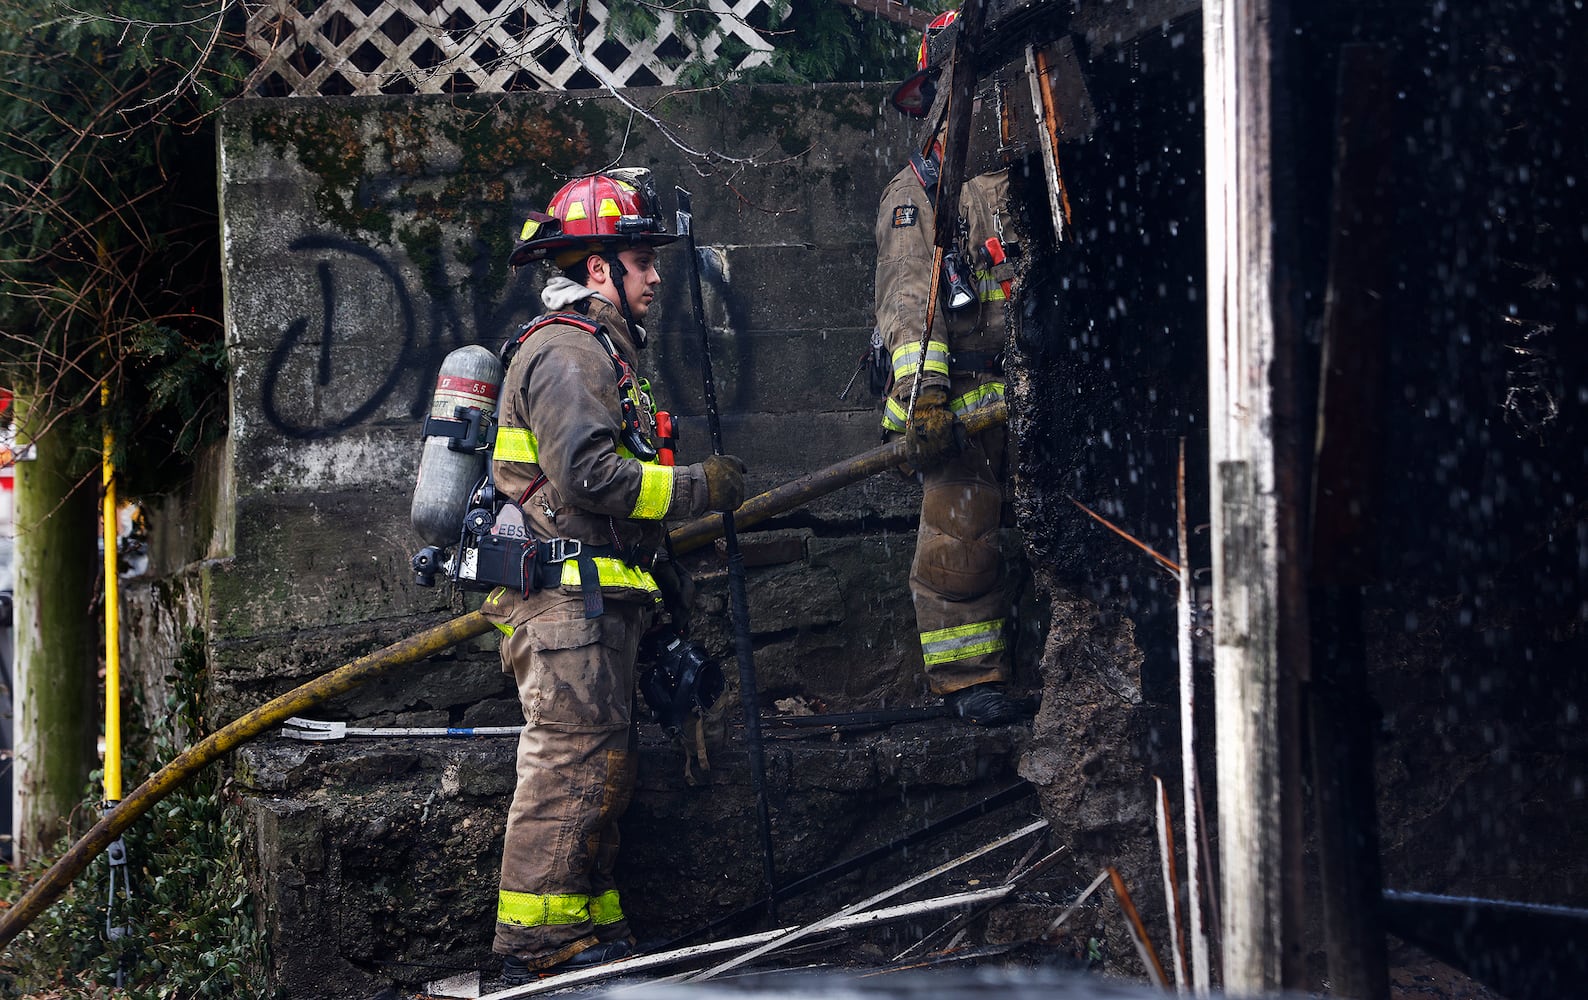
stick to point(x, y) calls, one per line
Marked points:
point(373, 345)
point(374, 342)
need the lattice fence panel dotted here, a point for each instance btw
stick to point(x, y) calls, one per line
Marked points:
point(336, 47)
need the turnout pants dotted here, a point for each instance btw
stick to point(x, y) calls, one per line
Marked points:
point(576, 768)
point(957, 578)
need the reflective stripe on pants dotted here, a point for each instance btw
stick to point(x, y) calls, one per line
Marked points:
point(962, 642)
point(957, 576)
point(525, 909)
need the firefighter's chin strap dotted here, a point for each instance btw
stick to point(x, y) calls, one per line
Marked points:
point(619, 272)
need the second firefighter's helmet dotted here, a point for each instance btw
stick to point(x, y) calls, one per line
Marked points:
point(595, 213)
point(914, 96)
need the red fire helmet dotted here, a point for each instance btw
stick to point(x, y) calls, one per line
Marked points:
point(914, 96)
point(589, 214)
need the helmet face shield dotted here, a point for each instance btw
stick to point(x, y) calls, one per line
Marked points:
point(592, 214)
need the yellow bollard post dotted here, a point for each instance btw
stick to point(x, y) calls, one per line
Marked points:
point(112, 617)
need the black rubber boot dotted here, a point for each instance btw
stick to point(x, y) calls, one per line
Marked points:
point(516, 973)
point(982, 705)
point(606, 951)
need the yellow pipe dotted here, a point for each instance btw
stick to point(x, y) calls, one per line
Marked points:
point(350, 675)
point(110, 826)
point(112, 617)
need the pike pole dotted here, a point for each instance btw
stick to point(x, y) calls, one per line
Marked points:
point(956, 141)
point(798, 492)
point(738, 600)
point(686, 537)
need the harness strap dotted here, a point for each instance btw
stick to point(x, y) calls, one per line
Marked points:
point(535, 325)
point(632, 434)
point(551, 574)
point(928, 170)
point(541, 560)
point(533, 488)
point(590, 584)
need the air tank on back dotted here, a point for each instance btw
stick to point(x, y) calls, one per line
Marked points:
point(453, 460)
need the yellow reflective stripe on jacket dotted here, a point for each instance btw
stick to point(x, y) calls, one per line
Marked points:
point(656, 493)
point(907, 358)
point(893, 416)
point(527, 909)
point(962, 642)
point(516, 444)
point(989, 288)
point(494, 598)
point(613, 573)
point(982, 395)
point(604, 909)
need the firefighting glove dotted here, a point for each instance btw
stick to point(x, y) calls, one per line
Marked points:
point(724, 482)
point(678, 592)
point(934, 434)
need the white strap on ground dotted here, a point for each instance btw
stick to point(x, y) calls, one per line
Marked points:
point(316, 732)
point(641, 963)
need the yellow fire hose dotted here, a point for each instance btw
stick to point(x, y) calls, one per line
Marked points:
point(345, 678)
point(798, 492)
point(190, 761)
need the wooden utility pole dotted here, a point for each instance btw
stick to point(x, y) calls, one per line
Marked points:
point(56, 708)
point(1260, 649)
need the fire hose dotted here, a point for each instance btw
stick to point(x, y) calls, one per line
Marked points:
point(691, 535)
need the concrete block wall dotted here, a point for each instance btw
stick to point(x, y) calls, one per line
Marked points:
point(365, 239)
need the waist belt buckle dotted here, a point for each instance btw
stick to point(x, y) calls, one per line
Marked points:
point(561, 549)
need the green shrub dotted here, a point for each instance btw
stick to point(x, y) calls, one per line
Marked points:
point(192, 930)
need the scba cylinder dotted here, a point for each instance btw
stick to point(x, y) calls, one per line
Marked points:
point(453, 459)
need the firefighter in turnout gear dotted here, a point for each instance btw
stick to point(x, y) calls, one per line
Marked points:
point(957, 578)
point(575, 456)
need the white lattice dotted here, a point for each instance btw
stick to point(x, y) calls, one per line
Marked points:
point(460, 46)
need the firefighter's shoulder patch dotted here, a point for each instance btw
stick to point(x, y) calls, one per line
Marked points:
point(904, 215)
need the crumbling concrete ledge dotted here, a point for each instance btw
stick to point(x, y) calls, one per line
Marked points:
point(377, 860)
